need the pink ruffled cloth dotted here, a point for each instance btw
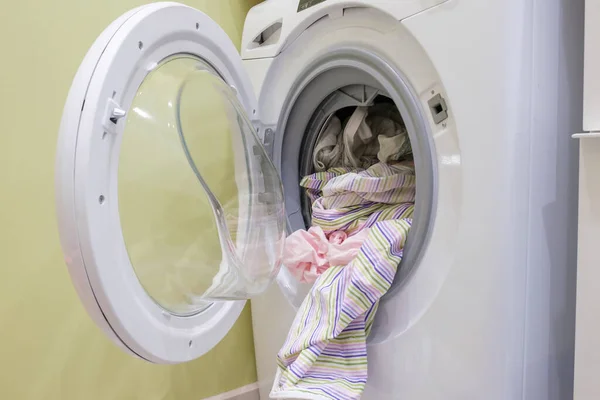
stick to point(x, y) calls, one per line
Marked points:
point(308, 254)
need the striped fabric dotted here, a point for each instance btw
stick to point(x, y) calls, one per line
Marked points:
point(350, 200)
point(325, 354)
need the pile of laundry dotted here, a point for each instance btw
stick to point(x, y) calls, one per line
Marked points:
point(371, 134)
point(362, 198)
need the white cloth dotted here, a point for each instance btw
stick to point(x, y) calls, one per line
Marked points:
point(371, 135)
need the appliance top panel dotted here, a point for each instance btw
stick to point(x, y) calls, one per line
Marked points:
point(274, 24)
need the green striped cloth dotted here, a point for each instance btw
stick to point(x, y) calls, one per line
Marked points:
point(325, 354)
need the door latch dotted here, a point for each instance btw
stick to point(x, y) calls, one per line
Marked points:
point(112, 115)
point(438, 108)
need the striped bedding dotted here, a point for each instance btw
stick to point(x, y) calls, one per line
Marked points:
point(325, 354)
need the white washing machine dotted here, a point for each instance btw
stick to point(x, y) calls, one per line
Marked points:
point(483, 304)
point(173, 210)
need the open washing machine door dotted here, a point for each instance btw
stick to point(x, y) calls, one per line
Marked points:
point(170, 212)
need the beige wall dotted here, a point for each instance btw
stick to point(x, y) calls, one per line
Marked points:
point(49, 348)
point(587, 339)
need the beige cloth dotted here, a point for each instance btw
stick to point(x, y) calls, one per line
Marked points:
point(371, 135)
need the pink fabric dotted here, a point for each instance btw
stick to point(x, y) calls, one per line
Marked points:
point(308, 254)
point(337, 237)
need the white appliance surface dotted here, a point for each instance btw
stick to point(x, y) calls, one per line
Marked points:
point(497, 321)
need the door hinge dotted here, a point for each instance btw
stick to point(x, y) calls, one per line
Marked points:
point(268, 141)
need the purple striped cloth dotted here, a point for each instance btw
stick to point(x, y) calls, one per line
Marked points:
point(325, 354)
point(351, 200)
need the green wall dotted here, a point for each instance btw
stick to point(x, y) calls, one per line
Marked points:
point(49, 348)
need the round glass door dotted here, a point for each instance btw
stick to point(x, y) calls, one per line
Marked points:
point(200, 203)
point(170, 212)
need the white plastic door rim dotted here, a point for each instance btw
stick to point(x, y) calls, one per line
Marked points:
point(170, 212)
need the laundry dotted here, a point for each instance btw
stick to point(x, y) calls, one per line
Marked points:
point(345, 202)
point(308, 254)
point(325, 354)
point(371, 135)
point(345, 199)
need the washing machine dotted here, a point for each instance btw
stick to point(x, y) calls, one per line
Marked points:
point(179, 161)
point(483, 303)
